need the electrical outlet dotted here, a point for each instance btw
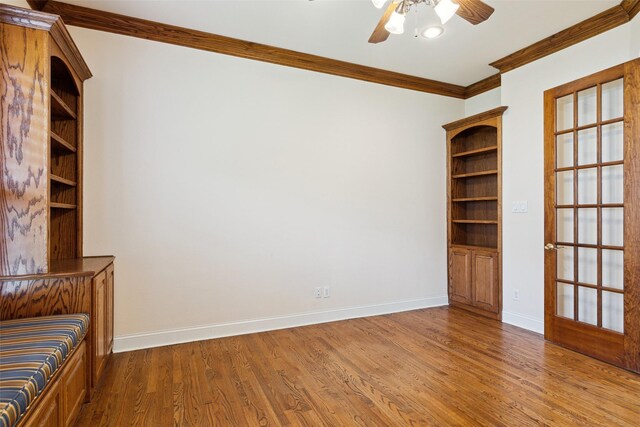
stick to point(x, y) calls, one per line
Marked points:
point(516, 295)
point(326, 292)
point(317, 292)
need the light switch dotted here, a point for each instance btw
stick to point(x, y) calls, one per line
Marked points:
point(520, 207)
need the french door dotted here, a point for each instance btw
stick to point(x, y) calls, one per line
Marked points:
point(592, 215)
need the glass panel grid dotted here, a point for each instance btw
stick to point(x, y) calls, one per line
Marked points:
point(589, 187)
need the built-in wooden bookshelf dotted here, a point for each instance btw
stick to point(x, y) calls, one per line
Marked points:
point(64, 163)
point(474, 212)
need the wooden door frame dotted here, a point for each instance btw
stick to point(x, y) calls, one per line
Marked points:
point(620, 349)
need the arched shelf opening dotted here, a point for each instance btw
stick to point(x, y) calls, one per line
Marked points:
point(64, 169)
point(474, 138)
point(64, 90)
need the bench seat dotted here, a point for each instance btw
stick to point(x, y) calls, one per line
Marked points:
point(31, 351)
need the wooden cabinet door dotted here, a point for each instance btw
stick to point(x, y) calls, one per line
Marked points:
point(460, 276)
point(109, 309)
point(99, 325)
point(485, 280)
point(49, 411)
point(74, 385)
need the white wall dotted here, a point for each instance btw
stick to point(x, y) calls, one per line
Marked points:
point(228, 189)
point(19, 3)
point(635, 36)
point(523, 174)
point(483, 102)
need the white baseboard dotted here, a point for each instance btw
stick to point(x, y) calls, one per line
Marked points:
point(525, 322)
point(198, 333)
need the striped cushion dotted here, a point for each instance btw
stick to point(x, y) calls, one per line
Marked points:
point(31, 351)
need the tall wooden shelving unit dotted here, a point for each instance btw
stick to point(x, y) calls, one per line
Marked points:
point(65, 153)
point(41, 184)
point(474, 184)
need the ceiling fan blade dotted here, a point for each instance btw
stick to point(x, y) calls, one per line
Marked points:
point(474, 11)
point(380, 34)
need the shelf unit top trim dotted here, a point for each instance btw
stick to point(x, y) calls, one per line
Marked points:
point(54, 25)
point(475, 119)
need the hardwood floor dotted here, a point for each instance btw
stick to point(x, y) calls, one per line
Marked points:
point(440, 366)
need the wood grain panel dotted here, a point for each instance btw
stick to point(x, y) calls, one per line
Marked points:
point(483, 86)
point(43, 297)
point(150, 30)
point(632, 207)
point(550, 266)
point(460, 276)
point(47, 412)
point(24, 111)
point(474, 11)
point(584, 30)
point(380, 33)
point(74, 383)
point(485, 277)
point(99, 326)
point(432, 367)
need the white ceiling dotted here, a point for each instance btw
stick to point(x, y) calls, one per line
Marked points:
point(339, 29)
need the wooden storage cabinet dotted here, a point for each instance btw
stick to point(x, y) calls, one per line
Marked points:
point(474, 171)
point(472, 278)
point(49, 411)
point(65, 395)
point(102, 329)
point(74, 385)
point(99, 272)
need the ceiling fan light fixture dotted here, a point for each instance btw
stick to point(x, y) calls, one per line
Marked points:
point(445, 9)
point(432, 32)
point(378, 3)
point(395, 25)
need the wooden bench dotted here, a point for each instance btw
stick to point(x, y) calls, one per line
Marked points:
point(43, 370)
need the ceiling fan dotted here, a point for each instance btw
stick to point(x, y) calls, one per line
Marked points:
point(392, 22)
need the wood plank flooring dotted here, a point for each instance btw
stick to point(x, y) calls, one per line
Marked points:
point(440, 366)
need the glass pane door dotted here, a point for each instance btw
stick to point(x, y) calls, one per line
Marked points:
point(589, 206)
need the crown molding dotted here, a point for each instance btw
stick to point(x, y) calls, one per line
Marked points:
point(598, 24)
point(150, 30)
point(632, 7)
point(484, 85)
point(135, 27)
point(37, 4)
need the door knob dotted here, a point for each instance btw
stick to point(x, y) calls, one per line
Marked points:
point(552, 247)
